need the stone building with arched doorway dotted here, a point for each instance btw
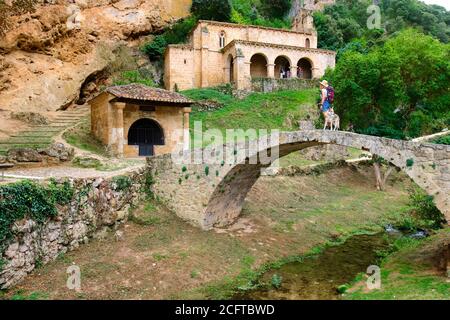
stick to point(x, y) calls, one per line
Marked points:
point(219, 53)
point(136, 120)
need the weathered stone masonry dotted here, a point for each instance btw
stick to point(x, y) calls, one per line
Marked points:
point(209, 195)
point(95, 206)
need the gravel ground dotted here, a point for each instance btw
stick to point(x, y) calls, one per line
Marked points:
point(63, 171)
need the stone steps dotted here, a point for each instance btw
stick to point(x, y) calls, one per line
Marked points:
point(40, 136)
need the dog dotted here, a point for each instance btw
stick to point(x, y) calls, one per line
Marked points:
point(332, 121)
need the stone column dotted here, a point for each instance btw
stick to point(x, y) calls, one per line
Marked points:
point(242, 71)
point(204, 57)
point(294, 71)
point(117, 131)
point(186, 141)
point(271, 70)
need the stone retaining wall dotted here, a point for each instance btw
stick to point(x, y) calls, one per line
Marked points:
point(271, 84)
point(96, 205)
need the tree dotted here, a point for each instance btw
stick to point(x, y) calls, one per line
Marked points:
point(398, 89)
point(217, 10)
point(380, 178)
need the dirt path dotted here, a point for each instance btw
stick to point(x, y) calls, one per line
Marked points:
point(167, 258)
point(67, 171)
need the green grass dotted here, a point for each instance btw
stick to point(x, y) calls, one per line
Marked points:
point(148, 216)
point(442, 140)
point(20, 295)
point(407, 274)
point(81, 137)
point(278, 110)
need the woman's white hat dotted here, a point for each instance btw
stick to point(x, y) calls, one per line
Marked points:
point(324, 83)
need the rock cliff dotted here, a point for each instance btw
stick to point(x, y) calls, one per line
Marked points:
point(49, 48)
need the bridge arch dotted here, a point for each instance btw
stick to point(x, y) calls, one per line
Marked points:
point(221, 197)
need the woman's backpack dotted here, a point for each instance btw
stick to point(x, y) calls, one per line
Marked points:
point(330, 94)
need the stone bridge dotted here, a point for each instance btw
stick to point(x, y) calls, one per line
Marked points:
point(212, 194)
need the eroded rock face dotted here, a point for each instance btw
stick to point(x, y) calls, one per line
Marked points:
point(48, 54)
point(24, 155)
point(57, 152)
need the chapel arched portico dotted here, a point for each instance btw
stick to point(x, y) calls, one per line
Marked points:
point(258, 60)
point(221, 53)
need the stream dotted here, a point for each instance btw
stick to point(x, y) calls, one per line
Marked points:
point(319, 276)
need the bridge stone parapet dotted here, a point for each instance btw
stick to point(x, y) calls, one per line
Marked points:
point(212, 194)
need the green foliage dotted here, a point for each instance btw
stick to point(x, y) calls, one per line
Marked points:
point(147, 187)
point(342, 288)
point(194, 274)
point(217, 10)
point(409, 163)
point(176, 34)
point(26, 199)
point(81, 137)
point(443, 140)
point(276, 280)
point(260, 13)
point(256, 111)
point(20, 295)
point(133, 76)
point(395, 90)
point(60, 193)
point(275, 9)
point(346, 20)
point(207, 171)
point(121, 183)
point(425, 209)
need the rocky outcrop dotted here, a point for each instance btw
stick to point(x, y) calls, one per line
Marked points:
point(57, 152)
point(48, 53)
point(24, 155)
point(97, 205)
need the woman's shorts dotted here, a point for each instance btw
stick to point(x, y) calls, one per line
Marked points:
point(326, 106)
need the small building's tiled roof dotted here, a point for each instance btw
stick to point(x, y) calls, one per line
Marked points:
point(138, 91)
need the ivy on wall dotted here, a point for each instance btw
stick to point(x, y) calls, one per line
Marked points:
point(26, 199)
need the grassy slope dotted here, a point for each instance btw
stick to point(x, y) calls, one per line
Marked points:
point(277, 110)
point(410, 273)
point(81, 137)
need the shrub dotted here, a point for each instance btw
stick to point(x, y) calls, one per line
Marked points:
point(27, 199)
point(443, 140)
point(217, 10)
point(276, 280)
point(148, 185)
point(156, 48)
point(423, 206)
point(175, 34)
point(133, 76)
point(121, 183)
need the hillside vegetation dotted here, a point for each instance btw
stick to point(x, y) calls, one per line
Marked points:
point(278, 110)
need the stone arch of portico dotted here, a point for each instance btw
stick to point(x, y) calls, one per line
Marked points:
point(305, 68)
point(282, 62)
point(229, 69)
point(258, 65)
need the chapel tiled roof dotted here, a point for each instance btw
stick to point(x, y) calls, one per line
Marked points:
point(142, 92)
